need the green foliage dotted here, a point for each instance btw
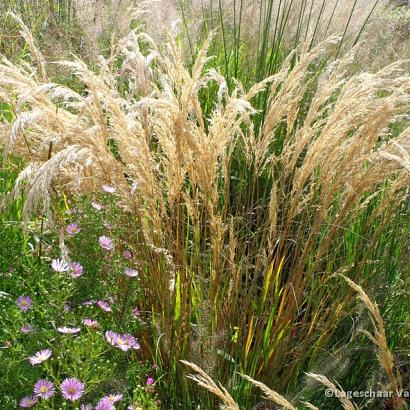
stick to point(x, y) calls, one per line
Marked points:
point(58, 300)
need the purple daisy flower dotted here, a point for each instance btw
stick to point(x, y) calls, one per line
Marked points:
point(107, 402)
point(150, 381)
point(44, 389)
point(136, 312)
point(24, 303)
point(40, 357)
point(104, 305)
point(127, 255)
point(97, 206)
point(59, 265)
point(73, 229)
point(106, 243)
point(113, 398)
point(108, 188)
point(75, 269)
point(115, 339)
point(131, 273)
point(122, 342)
point(28, 401)
point(104, 405)
point(72, 389)
point(68, 330)
point(111, 337)
point(26, 329)
point(91, 323)
point(131, 342)
point(88, 302)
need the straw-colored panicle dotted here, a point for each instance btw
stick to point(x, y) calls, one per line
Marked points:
point(339, 393)
point(271, 394)
point(203, 380)
point(379, 339)
point(310, 405)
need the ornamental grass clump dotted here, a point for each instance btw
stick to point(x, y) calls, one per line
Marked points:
point(238, 224)
point(384, 355)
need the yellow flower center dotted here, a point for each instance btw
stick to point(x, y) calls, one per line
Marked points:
point(43, 389)
point(71, 390)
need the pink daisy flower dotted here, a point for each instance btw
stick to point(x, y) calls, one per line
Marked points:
point(104, 305)
point(91, 323)
point(68, 330)
point(97, 206)
point(150, 381)
point(131, 273)
point(115, 340)
point(109, 189)
point(44, 389)
point(24, 303)
point(28, 401)
point(73, 229)
point(122, 342)
point(113, 398)
point(136, 312)
point(40, 356)
point(75, 269)
point(111, 337)
point(107, 402)
point(106, 243)
point(127, 254)
point(72, 389)
point(104, 405)
point(59, 265)
point(131, 342)
point(26, 329)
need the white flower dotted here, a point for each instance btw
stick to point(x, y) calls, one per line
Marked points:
point(59, 265)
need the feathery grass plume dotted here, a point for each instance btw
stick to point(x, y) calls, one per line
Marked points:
point(338, 392)
point(203, 380)
point(226, 212)
point(401, 155)
point(379, 339)
point(310, 405)
point(36, 54)
point(270, 394)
